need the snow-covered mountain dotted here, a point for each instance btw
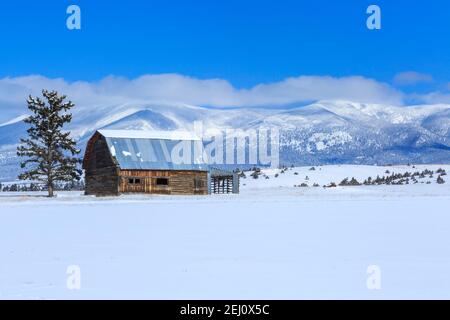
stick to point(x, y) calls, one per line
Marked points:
point(326, 132)
point(344, 132)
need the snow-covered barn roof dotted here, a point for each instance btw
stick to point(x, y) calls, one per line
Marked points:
point(144, 134)
point(155, 150)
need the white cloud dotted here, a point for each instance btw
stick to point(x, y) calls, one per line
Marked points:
point(411, 78)
point(307, 88)
point(433, 98)
point(210, 92)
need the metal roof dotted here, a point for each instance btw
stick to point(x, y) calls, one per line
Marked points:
point(144, 134)
point(148, 150)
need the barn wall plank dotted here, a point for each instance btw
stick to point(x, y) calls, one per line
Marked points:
point(180, 182)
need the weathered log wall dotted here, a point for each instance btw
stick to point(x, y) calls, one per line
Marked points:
point(179, 182)
point(102, 182)
point(101, 173)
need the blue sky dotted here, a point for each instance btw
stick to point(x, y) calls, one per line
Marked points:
point(243, 42)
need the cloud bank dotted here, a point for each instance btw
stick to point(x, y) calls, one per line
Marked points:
point(210, 92)
point(175, 88)
point(411, 78)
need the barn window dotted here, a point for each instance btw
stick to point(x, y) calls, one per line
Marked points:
point(162, 181)
point(134, 181)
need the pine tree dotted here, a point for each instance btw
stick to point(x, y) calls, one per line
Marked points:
point(50, 152)
point(344, 182)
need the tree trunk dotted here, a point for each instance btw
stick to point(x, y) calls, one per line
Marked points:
point(50, 190)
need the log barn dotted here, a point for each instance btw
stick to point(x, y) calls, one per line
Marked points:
point(130, 161)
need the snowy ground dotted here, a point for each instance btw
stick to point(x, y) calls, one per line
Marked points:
point(272, 241)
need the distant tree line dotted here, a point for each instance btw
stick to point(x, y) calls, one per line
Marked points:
point(398, 178)
point(22, 187)
point(390, 178)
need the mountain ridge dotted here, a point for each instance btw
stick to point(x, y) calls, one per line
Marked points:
point(324, 132)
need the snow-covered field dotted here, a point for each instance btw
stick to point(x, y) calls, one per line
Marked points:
point(272, 241)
